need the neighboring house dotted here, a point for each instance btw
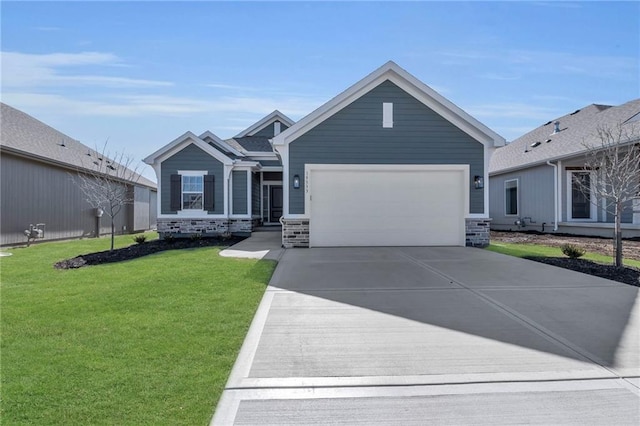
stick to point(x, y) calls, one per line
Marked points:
point(388, 162)
point(207, 185)
point(37, 163)
point(533, 179)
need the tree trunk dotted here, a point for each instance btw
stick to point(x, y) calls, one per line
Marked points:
point(618, 235)
point(113, 233)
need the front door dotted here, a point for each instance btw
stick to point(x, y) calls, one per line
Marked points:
point(276, 203)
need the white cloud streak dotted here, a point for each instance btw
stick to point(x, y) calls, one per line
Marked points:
point(513, 110)
point(159, 105)
point(525, 62)
point(33, 70)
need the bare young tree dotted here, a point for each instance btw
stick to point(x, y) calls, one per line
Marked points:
point(615, 159)
point(106, 182)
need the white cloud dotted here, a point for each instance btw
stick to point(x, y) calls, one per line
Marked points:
point(159, 105)
point(33, 70)
point(500, 77)
point(47, 28)
point(524, 62)
point(513, 110)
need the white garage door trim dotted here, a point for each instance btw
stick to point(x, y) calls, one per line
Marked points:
point(454, 176)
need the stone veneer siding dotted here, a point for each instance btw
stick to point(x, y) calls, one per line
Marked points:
point(295, 232)
point(206, 226)
point(477, 232)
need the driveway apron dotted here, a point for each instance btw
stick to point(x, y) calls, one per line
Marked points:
point(435, 335)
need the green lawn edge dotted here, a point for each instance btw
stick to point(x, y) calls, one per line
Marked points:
point(147, 341)
point(528, 250)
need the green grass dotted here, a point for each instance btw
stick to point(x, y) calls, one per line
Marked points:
point(149, 341)
point(524, 250)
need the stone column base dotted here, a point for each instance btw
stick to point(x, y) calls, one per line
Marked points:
point(188, 226)
point(477, 231)
point(295, 233)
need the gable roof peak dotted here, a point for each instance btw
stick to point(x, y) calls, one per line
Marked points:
point(276, 115)
point(410, 84)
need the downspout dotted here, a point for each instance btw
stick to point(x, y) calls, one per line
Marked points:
point(555, 194)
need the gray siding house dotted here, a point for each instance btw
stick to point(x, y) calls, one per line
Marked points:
point(533, 179)
point(36, 165)
point(212, 186)
point(388, 162)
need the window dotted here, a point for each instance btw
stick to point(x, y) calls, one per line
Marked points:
point(580, 196)
point(387, 115)
point(192, 192)
point(511, 197)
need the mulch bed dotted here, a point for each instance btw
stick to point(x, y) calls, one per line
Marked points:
point(626, 274)
point(138, 250)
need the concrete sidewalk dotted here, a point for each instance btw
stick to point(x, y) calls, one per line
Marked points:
point(445, 335)
point(260, 245)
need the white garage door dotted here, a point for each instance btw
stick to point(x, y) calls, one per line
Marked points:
point(387, 205)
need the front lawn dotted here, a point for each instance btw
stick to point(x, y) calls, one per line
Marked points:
point(148, 341)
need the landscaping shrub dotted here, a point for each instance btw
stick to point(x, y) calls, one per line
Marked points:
point(139, 239)
point(572, 251)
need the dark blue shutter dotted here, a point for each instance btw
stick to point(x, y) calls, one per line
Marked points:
point(176, 193)
point(209, 192)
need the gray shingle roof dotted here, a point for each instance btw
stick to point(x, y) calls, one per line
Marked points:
point(19, 132)
point(252, 143)
point(578, 129)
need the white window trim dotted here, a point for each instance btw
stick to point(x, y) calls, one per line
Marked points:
point(192, 212)
point(517, 213)
point(593, 210)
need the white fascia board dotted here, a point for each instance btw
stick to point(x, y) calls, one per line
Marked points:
point(262, 155)
point(222, 144)
point(264, 122)
point(178, 144)
point(246, 165)
point(391, 71)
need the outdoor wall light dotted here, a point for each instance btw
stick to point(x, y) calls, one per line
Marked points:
point(478, 182)
point(296, 182)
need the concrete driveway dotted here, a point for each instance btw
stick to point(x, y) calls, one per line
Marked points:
point(445, 335)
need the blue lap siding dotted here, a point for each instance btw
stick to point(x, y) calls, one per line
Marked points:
point(269, 131)
point(355, 135)
point(239, 185)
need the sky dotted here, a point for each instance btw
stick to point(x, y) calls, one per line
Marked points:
point(137, 75)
